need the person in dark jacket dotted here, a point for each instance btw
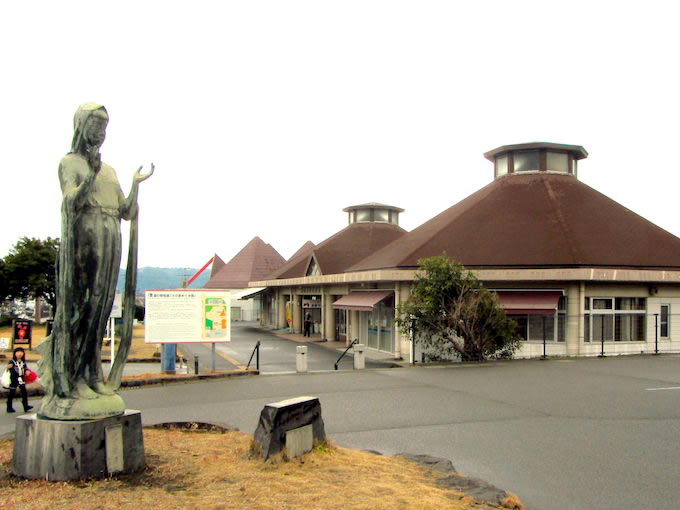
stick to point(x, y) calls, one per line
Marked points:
point(17, 367)
point(308, 324)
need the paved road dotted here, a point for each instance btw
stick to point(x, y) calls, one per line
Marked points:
point(572, 434)
point(277, 355)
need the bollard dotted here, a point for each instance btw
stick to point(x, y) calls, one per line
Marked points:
point(301, 358)
point(196, 365)
point(359, 357)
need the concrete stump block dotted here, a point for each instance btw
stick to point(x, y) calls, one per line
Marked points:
point(359, 357)
point(75, 450)
point(280, 419)
point(301, 358)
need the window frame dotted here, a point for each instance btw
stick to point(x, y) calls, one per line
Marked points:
point(590, 313)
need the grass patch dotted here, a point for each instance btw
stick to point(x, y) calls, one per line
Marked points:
point(138, 348)
point(213, 469)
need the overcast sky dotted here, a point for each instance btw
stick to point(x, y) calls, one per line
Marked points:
point(268, 118)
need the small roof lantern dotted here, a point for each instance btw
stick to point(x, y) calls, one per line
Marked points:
point(536, 157)
point(373, 212)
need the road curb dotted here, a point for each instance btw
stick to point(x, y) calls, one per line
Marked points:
point(35, 390)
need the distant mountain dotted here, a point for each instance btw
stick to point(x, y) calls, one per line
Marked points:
point(149, 278)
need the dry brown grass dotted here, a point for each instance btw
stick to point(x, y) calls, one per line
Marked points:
point(213, 470)
point(138, 349)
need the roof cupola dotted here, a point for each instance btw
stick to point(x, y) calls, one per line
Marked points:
point(373, 212)
point(536, 157)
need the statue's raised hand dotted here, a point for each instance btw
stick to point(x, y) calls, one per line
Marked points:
point(140, 177)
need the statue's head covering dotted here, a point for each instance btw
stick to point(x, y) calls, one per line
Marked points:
point(83, 113)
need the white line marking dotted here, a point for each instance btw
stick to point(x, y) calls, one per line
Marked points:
point(667, 388)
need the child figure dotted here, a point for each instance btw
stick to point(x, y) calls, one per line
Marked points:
point(17, 367)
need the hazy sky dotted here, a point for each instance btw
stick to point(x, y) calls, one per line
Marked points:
point(267, 118)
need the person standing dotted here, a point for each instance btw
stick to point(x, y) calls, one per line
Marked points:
point(308, 324)
point(17, 368)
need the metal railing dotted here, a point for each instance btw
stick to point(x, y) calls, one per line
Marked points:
point(256, 350)
point(356, 341)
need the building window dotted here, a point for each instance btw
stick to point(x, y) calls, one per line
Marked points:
point(501, 165)
point(363, 215)
point(664, 321)
point(620, 319)
point(526, 161)
point(557, 162)
point(313, 269)
point(381, 215)
point(536, 327)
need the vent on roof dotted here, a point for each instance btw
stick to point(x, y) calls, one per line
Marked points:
point(536, 157)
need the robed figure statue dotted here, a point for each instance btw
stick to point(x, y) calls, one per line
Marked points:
point(87, 273)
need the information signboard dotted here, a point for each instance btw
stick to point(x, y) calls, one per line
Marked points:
point(187, 316)
point(22, 332)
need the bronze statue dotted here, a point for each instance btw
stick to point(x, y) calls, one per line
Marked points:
point(87, 272)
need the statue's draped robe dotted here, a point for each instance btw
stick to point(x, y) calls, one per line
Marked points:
point(87, 270)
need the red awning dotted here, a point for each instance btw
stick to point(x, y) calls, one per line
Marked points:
point(529, 303)
point(362, 301)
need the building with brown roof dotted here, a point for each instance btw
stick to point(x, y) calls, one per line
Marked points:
point(578, 271)
point(254, 261)
point(370, 227)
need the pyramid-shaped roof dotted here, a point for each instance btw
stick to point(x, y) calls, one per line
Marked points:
point(341, 250)
point(217, 265)
point(255, 260)
point(303, 250)
point(534, 220)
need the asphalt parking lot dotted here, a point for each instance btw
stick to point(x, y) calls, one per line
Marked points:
point(562, 434)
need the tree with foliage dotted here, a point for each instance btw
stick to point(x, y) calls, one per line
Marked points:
point(29, 270)
point(454, 312)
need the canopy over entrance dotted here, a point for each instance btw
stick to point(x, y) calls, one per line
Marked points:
point(362, 301)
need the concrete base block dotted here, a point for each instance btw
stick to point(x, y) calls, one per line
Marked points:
point(75, 450)
point(280, 418)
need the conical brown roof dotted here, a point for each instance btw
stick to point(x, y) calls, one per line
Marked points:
point(534, 220)
point(256, 260)
point(341, 250)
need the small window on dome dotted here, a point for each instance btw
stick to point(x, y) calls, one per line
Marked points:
point(501, 165)
point(526, 161)
point(363, 215)
point(381, 215)
point(557, 162)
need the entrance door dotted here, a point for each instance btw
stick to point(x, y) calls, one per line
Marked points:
point(341, 325)
point(373, 325)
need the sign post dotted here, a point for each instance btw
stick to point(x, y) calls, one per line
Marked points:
point(116, 313)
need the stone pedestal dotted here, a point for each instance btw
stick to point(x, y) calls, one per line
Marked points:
point(280, 419)
point(73, 450)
